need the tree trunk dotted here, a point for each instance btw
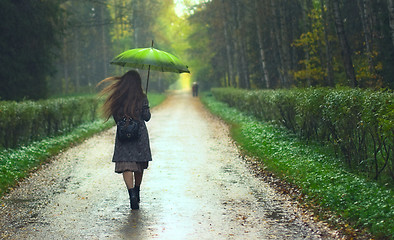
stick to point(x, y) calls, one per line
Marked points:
point(391, 13)
point(237, 65)
point(285, 44)
point(346, 52)
point(277, 42)
point(244, 79)
point(364, 16)
point(77, 62)
point(231, 76)
point(136, 11)
point(266, 78)
point(235, 33)
point(65, 66)
point(308, 28)
point(103, 42)
point(118, 21)
point(329, 67)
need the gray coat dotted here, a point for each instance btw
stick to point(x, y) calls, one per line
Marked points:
point(139, 150)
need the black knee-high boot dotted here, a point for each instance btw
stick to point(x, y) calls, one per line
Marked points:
point(137, 192)
point(133, 199)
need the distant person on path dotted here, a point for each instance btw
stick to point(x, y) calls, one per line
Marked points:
point(126, 98)
point(195, 89)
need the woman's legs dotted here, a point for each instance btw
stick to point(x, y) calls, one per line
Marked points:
point(138, 178)
point(134, 191)
point(129, 178)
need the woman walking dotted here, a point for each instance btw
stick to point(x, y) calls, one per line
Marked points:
point(127, 99)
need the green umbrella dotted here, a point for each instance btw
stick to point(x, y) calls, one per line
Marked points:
point(150, 58)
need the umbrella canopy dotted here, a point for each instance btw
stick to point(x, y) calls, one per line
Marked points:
point(143, 58)
point(150, 58)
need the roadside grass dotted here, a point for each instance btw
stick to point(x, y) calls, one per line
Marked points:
point(315, 170)
point(16, 164)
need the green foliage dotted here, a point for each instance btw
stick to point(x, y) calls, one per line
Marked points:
point(312, 72)
point(16, 163)
point(298, 39)
point(367, 75)
point(29, 34)
point(27, 121)
point(155, 99)
point(355, 122)
point(199, 53)
point(85, 48)
point(136, 25)
point(314, 169)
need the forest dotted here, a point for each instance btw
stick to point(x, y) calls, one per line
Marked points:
point(57, 47)
point(306, 86)
point(282, 44)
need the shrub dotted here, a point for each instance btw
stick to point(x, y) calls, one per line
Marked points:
point(16, 163)
point(314, 169)
point(24, 122)
point(357, 123)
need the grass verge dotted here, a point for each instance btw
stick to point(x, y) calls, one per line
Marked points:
point(16, 164)
point(324, 182)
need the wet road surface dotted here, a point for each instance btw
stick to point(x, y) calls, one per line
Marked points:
point(196, 187)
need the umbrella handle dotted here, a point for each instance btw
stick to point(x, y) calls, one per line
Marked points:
point(147, 80)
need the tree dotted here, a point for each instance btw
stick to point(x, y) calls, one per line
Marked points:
point(283, 33)
point(328, 50)
point(86, 47)
point(30, 34)
point(391, 14)
point(229, 48)
point(266, 78)
point(312, 72)
point(346, 51)
point(240, 44)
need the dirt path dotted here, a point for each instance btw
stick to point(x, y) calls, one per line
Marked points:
point(197, 187)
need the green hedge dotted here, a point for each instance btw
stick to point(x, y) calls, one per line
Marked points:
point(16, 163)
point(28, 121)
point(326, 186)
point(358, 123)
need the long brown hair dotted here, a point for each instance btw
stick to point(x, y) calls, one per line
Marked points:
point(125, 95)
